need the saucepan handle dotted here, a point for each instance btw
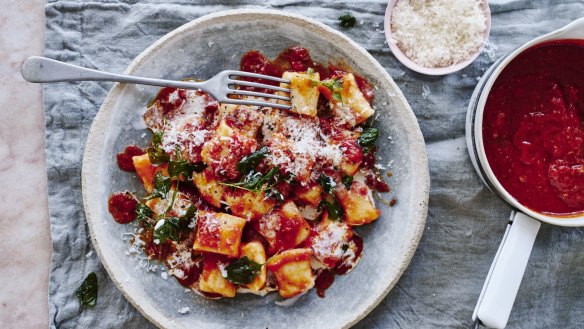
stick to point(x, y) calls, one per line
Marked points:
point(504, 278)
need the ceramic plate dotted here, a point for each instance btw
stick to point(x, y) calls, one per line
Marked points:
point(200, 49)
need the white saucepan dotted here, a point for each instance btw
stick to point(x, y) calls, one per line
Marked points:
point(504, 277)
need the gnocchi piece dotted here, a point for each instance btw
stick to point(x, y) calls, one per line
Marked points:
point(292, 271)
point(209, 187)
point(221, 153)
point(329, 240)
point(281, 156)
point(224, 130)
point(146, 171)
point(303, 92)
point(248, 204)
point(219, 233)
point(212, 280)
point(352, 154)
point(310, 194)
point(349, 168)
point(357, 204)
point(353, 98)
point(272, 123)
point(245, 119)
point(254, 250)
point(283, 228)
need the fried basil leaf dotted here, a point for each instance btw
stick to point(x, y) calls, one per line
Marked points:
point(334, 210)
point(256, 182)
point(144, 214)
point(178, 167)
point(327, 183)
point(347, 20)
point(156, 154)
point(251, 161)
point(369, 122)
point(157, 138)
point(367, 139)
point(162, 185)
point(87, 292)
point(167, 229)
point(242, 270)
point(347, 181)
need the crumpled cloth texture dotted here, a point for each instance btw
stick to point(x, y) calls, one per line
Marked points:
point(465, 220)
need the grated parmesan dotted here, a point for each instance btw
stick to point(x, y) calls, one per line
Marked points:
point(438, 33)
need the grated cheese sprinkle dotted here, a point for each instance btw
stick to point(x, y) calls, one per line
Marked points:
point(438, 33)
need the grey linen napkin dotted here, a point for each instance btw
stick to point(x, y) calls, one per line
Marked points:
point(465, 221)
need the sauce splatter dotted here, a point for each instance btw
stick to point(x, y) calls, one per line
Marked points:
point(122, 207)
point(125, 158)
point(323, 281)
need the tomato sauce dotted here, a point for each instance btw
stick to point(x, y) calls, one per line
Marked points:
point(167, 103)
point(533, 128)
point(323, 281)
point(157, 251)
point(125, 158)
point(122, 207)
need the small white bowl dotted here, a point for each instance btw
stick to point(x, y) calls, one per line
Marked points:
point(401, 56)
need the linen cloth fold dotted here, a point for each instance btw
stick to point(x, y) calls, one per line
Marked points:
point(465, 221)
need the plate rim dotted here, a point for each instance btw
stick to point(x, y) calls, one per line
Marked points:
point(94, 147)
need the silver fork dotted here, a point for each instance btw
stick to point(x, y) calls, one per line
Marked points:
point(221, 86)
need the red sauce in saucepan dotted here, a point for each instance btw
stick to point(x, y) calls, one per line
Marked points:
point(533, 128)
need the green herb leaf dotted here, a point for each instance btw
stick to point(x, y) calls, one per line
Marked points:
point(162, 185)
point(369, 122)
point(334, 210)
point(242, 270)
point(191, 213)
point(169, 229)
point(367, 139)
point(251, 161)
point(155, 153)
point(347, 181)
point(256, 182)
point(347, 20)
point(178, 167)
point(198, 166)
point(335, 86)
point(87, 292)
point(157, 138)
point(144, 214)
point(175, 168)
point(327, 183)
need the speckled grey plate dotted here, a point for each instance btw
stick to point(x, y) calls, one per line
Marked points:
point(201, 48)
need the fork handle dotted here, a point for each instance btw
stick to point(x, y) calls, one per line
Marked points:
point(40, 69)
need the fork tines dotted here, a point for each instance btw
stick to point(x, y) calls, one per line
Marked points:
point(256, 103)
point(234, 83)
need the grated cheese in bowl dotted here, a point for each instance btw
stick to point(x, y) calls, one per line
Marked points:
point(439, 33)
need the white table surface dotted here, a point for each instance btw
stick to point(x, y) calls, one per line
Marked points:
point(25, 241)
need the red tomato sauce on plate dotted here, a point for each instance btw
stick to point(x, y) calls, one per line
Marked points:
point(533, 128)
